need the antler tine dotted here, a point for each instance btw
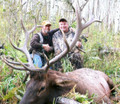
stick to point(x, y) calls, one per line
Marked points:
point(23, 26)
point(15, 46)
point(90, 22)
point(82, 7)
point(18, 68)
point(79, 26)
point(24, 48)
point(48, 65)
point(33, 29)
point(35, 26)
point(27, 68)
point(33, 68)
point(15, 63)
point(68, 48)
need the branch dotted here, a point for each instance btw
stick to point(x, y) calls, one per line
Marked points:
point(109, 92)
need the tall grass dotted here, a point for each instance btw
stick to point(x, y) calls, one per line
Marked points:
point(103, 52)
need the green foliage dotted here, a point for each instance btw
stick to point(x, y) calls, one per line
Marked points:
point(78, 97)
point(73, 25)
point(99, 53)
point(11, 84)
point(84, 99)
point(10, 94)
point(66, 64)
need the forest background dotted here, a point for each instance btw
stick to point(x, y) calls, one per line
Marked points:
point(102, 49)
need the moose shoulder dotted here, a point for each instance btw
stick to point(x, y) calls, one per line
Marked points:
point(44, 87)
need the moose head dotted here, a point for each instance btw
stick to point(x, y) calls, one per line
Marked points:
point(45, 85)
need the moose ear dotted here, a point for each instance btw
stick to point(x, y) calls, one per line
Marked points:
point(64, 82)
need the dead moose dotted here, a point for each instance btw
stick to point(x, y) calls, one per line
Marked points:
point(45, 85)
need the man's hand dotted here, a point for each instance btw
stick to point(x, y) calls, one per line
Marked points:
point(46, 47)
point(79, 44)
point(72, 29)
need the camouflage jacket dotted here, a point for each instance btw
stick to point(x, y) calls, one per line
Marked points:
point(58, 42)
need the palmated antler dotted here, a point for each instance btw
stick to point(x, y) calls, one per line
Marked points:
point(30, 66)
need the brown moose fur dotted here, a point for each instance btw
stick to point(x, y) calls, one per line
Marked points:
point(44, 87)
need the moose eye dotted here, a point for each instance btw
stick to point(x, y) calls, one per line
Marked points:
point(41, 89)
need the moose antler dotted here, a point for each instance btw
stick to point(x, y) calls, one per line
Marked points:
point(30, 66)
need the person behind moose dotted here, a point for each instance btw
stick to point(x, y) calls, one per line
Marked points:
point(42, 42)
point(59, 45)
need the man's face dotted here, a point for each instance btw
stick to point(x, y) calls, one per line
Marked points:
point(46, 29)
point(63, 26)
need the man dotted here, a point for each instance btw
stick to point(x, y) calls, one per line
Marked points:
point(59, 45)
point(42, 42)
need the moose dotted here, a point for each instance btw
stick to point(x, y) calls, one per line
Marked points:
point(46, 84)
